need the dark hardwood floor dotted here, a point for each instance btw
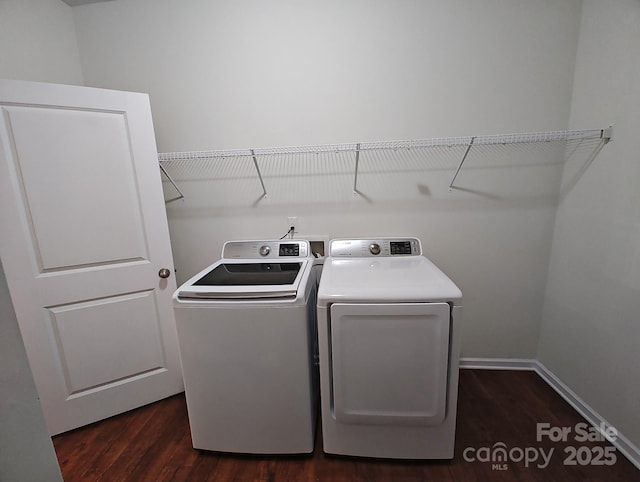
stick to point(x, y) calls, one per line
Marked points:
point(495, 409)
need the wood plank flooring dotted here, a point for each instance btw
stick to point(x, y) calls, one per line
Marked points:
point(495, 407)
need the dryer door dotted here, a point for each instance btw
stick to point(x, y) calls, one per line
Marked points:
point(389, 362)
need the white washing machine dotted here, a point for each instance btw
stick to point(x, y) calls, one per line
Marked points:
point(247, 335)
point(388, 332)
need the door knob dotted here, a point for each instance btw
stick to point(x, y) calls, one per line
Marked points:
point(164, 273)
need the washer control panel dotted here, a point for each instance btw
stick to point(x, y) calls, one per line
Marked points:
point(371, 248)
point(266, 249)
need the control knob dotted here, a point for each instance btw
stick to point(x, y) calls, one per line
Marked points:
point(264, 250)
point(374, 248)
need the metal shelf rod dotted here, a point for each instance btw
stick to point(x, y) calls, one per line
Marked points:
point(255, 163)
point(180, 195)
point(355, 178)
point(399, 144)
point(466, 153)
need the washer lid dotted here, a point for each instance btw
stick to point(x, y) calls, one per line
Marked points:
point(248, 274)
point(403, 279)
point(244, 279)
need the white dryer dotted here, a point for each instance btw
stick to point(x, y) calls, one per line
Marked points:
point(388, 332)
point(247, 336)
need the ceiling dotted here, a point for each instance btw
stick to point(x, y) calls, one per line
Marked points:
point(73, 3)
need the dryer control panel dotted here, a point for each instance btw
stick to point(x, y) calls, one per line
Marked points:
point(375, 247)
point(268, 249)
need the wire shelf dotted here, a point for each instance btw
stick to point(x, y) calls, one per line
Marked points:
point(216, 163)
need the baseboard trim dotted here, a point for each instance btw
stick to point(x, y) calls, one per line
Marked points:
point(498, 363)
point(622, 443)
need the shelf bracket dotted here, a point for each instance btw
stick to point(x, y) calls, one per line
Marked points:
point(606, 134)
point(355, 179)
point(255, 163)
point(180, 195)
point(466, 153)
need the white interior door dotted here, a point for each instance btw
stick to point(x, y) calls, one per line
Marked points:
point(83, 235)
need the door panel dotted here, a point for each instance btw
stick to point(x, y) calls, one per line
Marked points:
point(59, 175)
point(133, 331)
point(389, 362)
point(84, 234)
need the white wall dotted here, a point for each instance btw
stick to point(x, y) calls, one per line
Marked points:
point(287, 72)
point(251, 73)
point(590, 329)
point(37, 42)
point(26, 451)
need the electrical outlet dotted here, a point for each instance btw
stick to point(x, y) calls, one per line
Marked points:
point(293, 221)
